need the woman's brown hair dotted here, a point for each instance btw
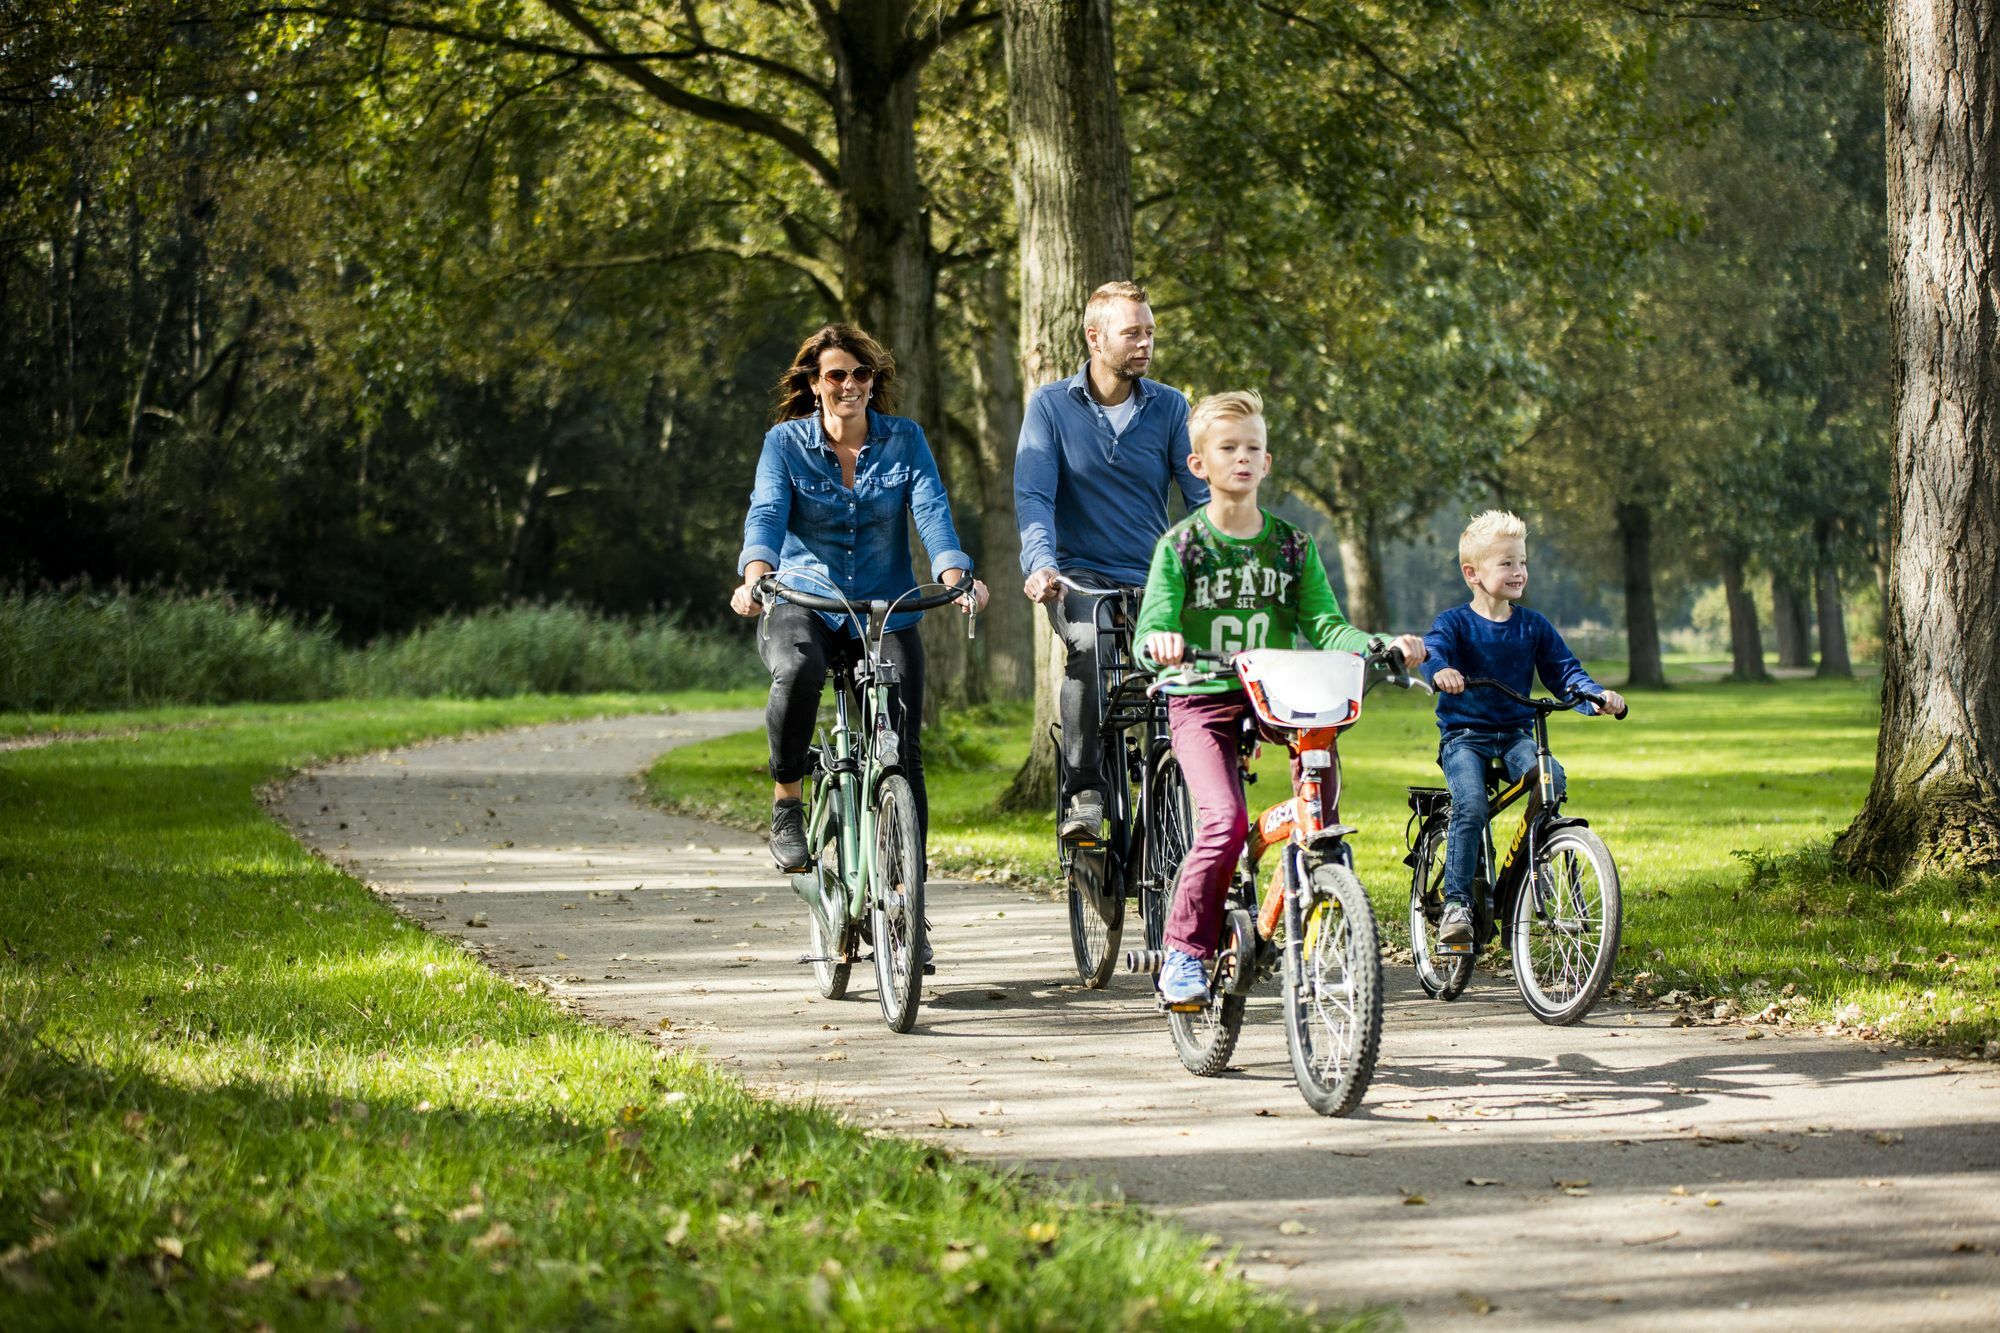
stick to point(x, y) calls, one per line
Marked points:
point(794, 396)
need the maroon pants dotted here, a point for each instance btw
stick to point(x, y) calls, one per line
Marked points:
point(1205, 728)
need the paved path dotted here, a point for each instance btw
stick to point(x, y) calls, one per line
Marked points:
point(1500, 1173)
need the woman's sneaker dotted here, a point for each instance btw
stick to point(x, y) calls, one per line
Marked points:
point(1183, 980)
point(1455, 926)
point(788, 835)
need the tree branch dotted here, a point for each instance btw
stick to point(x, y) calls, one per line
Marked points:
point(747, 119)
point(822, 277)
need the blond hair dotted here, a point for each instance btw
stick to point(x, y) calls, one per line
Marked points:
point(1230, 406)
point(1495, 525)
point(1111, 293)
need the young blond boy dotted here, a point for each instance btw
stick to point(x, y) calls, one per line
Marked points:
point(1229, 576)
point(1492, 637)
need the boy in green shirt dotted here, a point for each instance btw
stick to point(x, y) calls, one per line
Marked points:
point(1228, 577)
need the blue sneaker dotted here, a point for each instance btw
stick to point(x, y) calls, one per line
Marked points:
point(1182, 978)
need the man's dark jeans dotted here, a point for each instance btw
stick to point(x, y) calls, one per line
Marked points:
point(1074, 619)
point(797, 648)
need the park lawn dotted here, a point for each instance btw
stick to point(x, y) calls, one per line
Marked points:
point(1717, 801)
point(238, 1090)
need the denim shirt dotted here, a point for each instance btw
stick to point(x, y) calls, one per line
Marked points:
point(804, 516)
point(1086, 497)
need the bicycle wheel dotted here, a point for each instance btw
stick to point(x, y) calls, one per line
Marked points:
point(1168, 835)
point(1206, 1038)
point(1441, 977)
point(1096, 915)
point(828, 942)
point(896, 908)
point(1564, 930)
point(1333, 994)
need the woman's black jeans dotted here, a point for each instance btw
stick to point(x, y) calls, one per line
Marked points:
point(798, 647)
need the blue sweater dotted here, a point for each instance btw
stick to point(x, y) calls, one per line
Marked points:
point(1088, 499)
point(1512, 651)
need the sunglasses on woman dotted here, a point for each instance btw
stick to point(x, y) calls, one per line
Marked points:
point(838, 376)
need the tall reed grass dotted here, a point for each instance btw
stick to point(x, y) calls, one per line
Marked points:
point(86, 648)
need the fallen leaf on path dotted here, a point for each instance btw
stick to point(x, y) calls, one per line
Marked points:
point(1650, 1240)
point(476, 919)
point(1292, 1227)
point(1711, 1203)
point(1481, 1180)
point(944, 1121)
point(1414, 1201)
point(1475, 1303)
point(1679, 1191)
point(1887, 1137)
point(1570, 1184)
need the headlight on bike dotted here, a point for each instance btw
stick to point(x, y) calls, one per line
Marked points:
point(1316, 758)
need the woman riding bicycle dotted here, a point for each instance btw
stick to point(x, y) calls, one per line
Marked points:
point(836, 479)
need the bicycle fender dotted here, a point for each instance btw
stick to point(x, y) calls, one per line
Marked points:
point(1565, 821)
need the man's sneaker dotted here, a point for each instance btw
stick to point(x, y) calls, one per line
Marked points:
point(1084, 819)
point(1182, 978)
point(1455, 926)
point(788, 835)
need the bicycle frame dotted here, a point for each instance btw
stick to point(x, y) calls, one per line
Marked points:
point(857, 768)
point(1125, 706)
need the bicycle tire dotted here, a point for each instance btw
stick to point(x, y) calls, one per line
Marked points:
point(896, 904)
point(1094, 934)
point(1168, 835)
point(831, 977)
point(1564, 931)
point(1442, 978)
point(1206, 1039)
point(1333, 994)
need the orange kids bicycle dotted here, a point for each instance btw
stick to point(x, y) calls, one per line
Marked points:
point(1314, 921)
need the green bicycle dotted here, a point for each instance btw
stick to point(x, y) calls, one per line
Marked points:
point(861, 816)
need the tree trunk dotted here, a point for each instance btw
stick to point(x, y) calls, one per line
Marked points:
point(1008, 626)
point(1073, 205)
point(1935, 800)
point(889, 271)
point(1642, 623)
point(1361, 560)
point(1788, 624)
point(1746, 644)
point(1833, 660)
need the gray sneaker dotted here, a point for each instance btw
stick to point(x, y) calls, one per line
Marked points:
point(1455, 926)
point(1084, 820)
point(788, 835)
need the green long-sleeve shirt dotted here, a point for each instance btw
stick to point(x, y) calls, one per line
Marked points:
point(1223, 593)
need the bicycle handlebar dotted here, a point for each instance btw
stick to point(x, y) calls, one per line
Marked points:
point(1546, 705)
point(768, 586)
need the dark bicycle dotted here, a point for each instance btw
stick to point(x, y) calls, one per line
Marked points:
point(861, 818)
point(1101, 873)
point(1560, 923)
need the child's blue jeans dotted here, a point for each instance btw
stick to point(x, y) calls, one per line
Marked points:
point(1462, 754)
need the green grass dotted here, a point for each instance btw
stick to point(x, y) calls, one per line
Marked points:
point(237, 1090)
point(1701, 779)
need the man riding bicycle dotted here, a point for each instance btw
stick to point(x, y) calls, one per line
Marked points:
point(1097, 454)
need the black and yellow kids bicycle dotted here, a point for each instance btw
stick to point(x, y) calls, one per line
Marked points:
point(1553, 900)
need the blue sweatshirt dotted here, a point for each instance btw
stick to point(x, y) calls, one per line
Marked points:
point(1512, 651)
point(1086, 498)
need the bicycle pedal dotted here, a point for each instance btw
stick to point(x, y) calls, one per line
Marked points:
point(1183, 1006)
point(1455, 950)
point(819, 958)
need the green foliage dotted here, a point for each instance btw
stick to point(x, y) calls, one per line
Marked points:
point(560, 649)
point(236, 1088)
point(63, 652)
